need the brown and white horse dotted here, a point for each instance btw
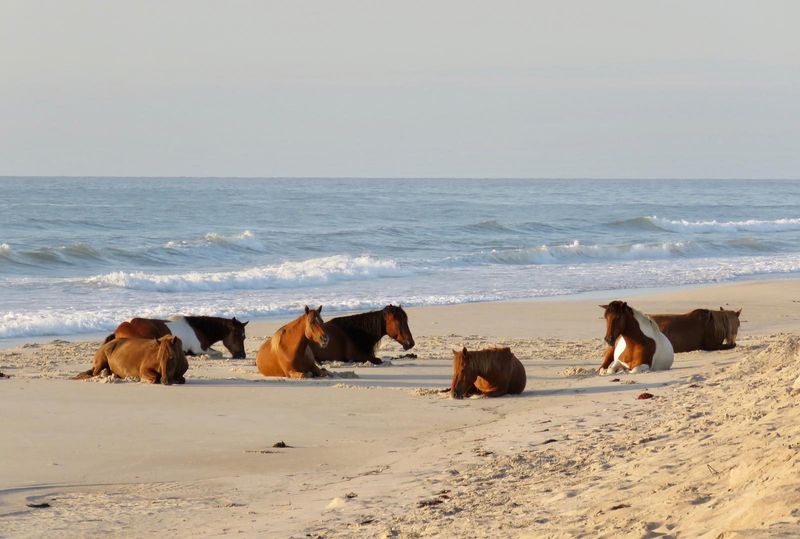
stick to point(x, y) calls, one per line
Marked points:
point(286, 353)
point(635, 342)
point(700, 329)
point(354, 337)
point(492, 372)
point(197, 333)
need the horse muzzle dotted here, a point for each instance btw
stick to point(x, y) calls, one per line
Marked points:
point(610, 340)
point(323, 342)
point(456, 394)
point(408, 345)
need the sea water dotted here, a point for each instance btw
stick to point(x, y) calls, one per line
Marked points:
point(79, 255)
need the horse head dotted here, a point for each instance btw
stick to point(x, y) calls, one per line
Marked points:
point(170, 350)
point(464, 374)
point(314, 329)
point(617, 315)
point(396, 322)
point(731, 322)
point(234, 338)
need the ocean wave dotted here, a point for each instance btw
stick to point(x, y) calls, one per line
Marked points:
point(311, 272)
point(576, 252)
point(750, 225)
point(244, 241)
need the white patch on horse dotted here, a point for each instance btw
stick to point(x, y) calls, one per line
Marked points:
point(179, 327)
point(664, 354)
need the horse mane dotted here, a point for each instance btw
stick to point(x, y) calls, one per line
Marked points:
point(641, 317)
point(209, 326)
point(482, 359)
point(364, 329)
point(722, 324)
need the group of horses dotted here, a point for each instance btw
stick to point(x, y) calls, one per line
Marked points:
point(155, 350)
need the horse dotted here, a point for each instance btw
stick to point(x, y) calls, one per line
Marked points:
point(635, 342)
point(152, 360)
point(492, 372)
point(286, 353)
point(197, 333)
point(700, 329)
point(354, 338)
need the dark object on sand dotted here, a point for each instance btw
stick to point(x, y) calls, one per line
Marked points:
point(43, 505)
point(645, 395)
point(280, 444)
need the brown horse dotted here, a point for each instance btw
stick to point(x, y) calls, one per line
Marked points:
point(354, 338)
point(151, 360)
point(700, 329)
point(492, 372)
point(635, 342)
point(197, 333)
point(286, 352)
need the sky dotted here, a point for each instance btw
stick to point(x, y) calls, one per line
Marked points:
point(618, 89)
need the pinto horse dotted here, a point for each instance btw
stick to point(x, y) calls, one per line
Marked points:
point(197, 333)
point(151, 360)
point(700, 329)
point(354, 338)
point(286, 353)
point(492, 372)
point(635, 342)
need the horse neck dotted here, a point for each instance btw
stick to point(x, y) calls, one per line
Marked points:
point(293, 337)
point(371, 326)
point(209, 329)
point(482, 363)
point(637, 333)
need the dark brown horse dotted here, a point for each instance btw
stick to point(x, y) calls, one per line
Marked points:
point(634, 341)
point(700, 329)
point(286, 353)
point(151, 360)
point(197, 333)
point(492, 372)
point(354, 338)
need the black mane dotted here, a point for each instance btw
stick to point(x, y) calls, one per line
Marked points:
point(365, 329)
point(212, 328)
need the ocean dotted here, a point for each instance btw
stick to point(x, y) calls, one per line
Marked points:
point(79, 255)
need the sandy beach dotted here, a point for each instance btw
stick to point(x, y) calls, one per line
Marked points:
point(378, 451)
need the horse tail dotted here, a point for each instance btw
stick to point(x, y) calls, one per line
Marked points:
point(84, 375)
point(110, 338)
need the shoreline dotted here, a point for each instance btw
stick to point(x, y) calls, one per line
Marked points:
point(593, 295)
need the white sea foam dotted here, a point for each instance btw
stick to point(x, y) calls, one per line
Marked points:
point(312, 272)
point(750, 225)
point(245, 240)
point(577, 252)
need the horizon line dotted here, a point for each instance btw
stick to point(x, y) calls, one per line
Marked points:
point(512, 178)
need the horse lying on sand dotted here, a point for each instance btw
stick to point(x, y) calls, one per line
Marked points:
point(492, 372)
point(354, 338)
point(151, 360)
point(700, 329)
point(287, 353)
point(635, 342)
point(197, 333)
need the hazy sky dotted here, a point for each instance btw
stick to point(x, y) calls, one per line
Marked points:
point(432, 88)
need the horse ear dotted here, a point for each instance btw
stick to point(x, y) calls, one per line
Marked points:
point(738, 313)
point(320, 309)
point(464, 351)
point(604, 307)
point(245, 323)
point(721, 309)
point(307, 309)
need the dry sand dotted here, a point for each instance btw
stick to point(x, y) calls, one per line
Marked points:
point(379, 452)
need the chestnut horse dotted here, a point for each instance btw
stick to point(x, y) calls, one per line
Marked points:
point(492, 372)
point(700, 329)
point(286, 352)
point(635, 342)
point(151, 360)
point(354, 338)
point(197, 333)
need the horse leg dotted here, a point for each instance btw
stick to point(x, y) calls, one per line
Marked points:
point(357, 356)
point(298, 374)
point(149, 375)
point(608, 358)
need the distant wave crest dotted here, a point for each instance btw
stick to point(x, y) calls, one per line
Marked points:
point(311, 272)
point(683, 225)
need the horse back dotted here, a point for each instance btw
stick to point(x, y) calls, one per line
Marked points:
point(142, 328)
point(686, 332)
point(518, 378)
